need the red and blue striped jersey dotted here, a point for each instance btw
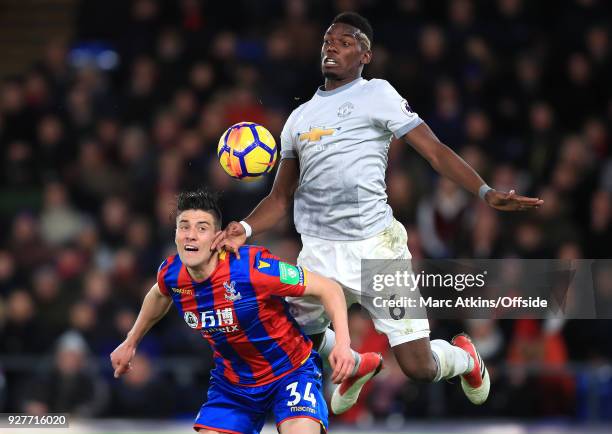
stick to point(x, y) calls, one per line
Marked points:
point(241, 312)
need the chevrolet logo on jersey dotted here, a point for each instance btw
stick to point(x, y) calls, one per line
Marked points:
point(315, 134)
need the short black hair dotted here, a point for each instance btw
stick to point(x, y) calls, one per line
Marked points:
point(356, 20)
point(201, 199)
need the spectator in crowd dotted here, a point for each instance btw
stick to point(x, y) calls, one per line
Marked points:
point(72, 386)
point(143, 393)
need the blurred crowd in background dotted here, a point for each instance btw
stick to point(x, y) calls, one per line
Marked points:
point(92, 159)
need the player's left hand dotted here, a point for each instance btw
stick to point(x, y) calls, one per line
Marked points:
point(342, 362)
point(511, 201)
point(230, 239)
point(121, 358)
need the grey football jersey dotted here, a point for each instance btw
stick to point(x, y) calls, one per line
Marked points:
point(341, 138)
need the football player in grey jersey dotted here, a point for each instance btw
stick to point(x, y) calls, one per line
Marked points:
point(333, 161)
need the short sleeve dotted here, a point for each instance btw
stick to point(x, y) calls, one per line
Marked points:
point(278, 277)
point(161, 274)
point(288, 148)
point(390, 111)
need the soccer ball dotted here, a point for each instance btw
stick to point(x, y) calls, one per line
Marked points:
point(247, 151)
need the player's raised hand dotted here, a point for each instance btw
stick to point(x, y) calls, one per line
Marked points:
point(342, 362)
point(511, 201)
point(230, 239)
point(121, 358)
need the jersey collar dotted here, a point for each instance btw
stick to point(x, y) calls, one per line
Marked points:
point(223, 255)
point(322, 92)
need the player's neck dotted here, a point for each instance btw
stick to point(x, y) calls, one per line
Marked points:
point(204, 270)
point(335, 84)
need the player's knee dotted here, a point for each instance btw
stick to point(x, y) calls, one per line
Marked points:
point(421, 371)
point(416, 360)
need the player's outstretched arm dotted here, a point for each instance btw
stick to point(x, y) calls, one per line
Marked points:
point(329, 292)
point(267, 213)
point(154, 307)
point(447, 163)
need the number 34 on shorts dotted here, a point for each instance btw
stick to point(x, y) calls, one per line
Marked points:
point(300, 395)
point(296, 397)
point(243, 409)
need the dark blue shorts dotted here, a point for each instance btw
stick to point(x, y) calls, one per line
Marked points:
point(242, 409)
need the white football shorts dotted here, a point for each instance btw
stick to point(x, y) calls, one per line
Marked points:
point(341, 261)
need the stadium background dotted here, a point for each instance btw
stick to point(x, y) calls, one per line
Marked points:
point(109, 108)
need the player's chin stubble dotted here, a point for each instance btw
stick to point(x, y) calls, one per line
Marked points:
point(328, 75)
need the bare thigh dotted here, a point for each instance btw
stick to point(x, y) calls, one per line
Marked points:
point(300, 425)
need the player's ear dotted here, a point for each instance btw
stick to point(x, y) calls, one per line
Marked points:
point(366, 57)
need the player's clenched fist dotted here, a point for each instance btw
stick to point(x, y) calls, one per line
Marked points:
point(342, 362)
point(121, 358)
point(230, 239)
